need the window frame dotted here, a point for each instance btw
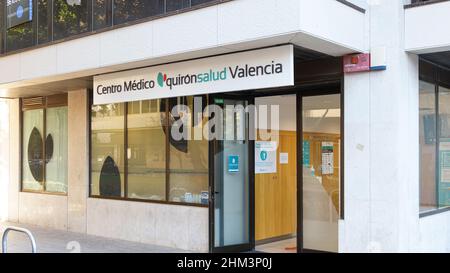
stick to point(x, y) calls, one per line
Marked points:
point(432, 73)
point(125, 190)
point(60, 100)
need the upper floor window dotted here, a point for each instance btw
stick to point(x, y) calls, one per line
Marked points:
point(34, 22)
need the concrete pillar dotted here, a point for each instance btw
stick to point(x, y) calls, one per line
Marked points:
point(381, 148)
point(4, 159)
point(78, 158)
point(14, 160)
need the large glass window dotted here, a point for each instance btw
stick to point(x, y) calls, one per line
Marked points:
point(108, 155)
point(44, 145)
point(434, 137)
point(59, 19)
point(19, 37)
point(131, 10)
point(188, 159)
point(427, 136)
point(146, 151)
point(172, 5)
point(136, 156)
point(102, 14)
point(33, 150)
point(70, 18)
point(44, 21)
point(2, 25)
point(443, 187)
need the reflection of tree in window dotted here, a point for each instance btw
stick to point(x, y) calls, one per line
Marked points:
point(102, 14)
point(70, 18)
point(44, 21)
point(130, 10)
point(19, 37)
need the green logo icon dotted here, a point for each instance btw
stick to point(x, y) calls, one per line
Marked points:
point(264, 155)
point(161, 79)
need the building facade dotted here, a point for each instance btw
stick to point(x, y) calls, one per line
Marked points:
point(229, 125)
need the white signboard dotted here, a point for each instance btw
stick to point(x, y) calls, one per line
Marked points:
point(265, 157)
point(264, 68)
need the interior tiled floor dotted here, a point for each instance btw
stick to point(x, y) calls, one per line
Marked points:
point(56, 241)
point(284, 246)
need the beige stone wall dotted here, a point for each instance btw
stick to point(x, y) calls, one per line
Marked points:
point(78, 160)
point(180, 227)
point(14, 160)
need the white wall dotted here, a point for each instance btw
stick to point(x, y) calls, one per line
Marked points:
point(426, 28)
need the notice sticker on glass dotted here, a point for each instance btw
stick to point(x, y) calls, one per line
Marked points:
point(265, 157)
point(233, 163)
point(327, 158)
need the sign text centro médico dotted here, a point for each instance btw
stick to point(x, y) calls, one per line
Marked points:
point(264, 68)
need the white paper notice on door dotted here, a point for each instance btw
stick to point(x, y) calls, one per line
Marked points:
point(265, 157)
point(284, 158)
point(327, 158)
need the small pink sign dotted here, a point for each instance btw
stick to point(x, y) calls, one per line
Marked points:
point(357, 63)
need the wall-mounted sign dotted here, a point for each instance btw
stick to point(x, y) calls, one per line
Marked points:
point(18, 12)
point(233, 163)
point(357, 63)
point(327, 158)
point(373, 61)
point(264, 68)
point(265, 157)
point(204, 197)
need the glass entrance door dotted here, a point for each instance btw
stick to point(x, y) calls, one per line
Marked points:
point(231, 185)
point(321, 176)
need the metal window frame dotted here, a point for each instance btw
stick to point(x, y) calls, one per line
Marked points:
point(44, 107)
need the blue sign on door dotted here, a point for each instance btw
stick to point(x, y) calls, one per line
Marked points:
point(306, 153)
point(233, 163)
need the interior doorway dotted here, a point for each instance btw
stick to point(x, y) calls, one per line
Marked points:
point(276, 174)
point(298, 188)
point(281, 190)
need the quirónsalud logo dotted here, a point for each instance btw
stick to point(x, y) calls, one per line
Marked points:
point(162, 79)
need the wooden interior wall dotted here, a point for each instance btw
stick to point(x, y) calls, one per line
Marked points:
point(329, 182)
point(276, 194)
